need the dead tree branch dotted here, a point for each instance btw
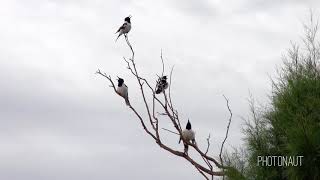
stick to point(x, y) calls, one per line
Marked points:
point(150, 123)
point(227, 132)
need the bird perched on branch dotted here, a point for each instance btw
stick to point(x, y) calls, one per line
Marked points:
point(122, 90)
point(125, 28)
point(162, 84)
point(188, 135)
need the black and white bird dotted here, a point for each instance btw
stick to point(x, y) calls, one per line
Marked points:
point(162, 84)
point(125, 28)
point(188, 135)
point(122, 90)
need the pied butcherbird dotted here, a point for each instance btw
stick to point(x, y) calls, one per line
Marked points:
point(188, 135)
point(122, 90)
point(125, 28)
point(162, 84)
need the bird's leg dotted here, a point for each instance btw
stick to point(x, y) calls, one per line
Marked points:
point(186, 148)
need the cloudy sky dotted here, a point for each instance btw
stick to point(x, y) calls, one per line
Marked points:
point(61, 121)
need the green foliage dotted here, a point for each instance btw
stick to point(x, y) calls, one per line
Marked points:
point(237, 162)
point(233, 173)
point(291, 126)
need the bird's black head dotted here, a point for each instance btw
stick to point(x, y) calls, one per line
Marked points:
point(163, 79)
point(127, 19)
point(188, 125)
point(120, 82)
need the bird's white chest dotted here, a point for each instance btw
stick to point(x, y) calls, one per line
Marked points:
point(122, 90)
point(188, 135)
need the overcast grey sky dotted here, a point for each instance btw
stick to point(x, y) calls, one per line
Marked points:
point(61, 121)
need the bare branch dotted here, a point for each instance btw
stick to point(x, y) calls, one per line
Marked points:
point(168, 112)
point(227, 132)
point(171, 131)
point(162, 63)
point(208, 145)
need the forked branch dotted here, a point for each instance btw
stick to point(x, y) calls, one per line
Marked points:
point(151, 126)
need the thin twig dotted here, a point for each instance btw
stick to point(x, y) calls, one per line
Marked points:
point(162, 64)
point(208, 145)
point(171, 113)
point(171, 131)
point(227, 132)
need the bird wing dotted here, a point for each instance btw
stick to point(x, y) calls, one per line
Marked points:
point(122, 27)
point(165, 85)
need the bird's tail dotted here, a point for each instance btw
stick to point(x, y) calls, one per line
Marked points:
point(127, 101)
point(186, 148)
point(118, 37)
point(158, 91)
